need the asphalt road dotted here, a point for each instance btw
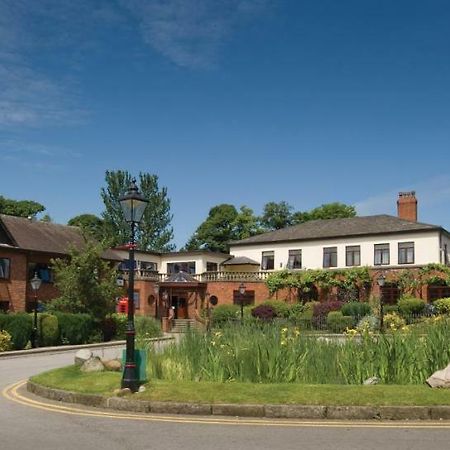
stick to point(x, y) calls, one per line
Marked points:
point(26, 427)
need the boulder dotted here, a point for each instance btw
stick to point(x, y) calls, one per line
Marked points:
point(372, 380)
point(141, 388)
point(81, 356)
point(123, 392)
point(440, 379)
point(93, 364)
point(113, 365)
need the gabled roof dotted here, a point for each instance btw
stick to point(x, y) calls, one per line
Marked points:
point(334, 228)
point(39, 236)
point(240, 261)
point(180, 277)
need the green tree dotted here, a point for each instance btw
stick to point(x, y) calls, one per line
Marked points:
point(86, 282)
point(47, 219)
point(155, 231)
point(20, 208)
point(276, 216)
point(334, 210)
point(90, 224)
point(224, 224)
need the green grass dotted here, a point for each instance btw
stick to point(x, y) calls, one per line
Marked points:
point(71, 379)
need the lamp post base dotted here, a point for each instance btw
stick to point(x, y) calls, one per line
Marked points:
point(129, 379)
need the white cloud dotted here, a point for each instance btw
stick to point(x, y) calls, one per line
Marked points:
point(191, 32)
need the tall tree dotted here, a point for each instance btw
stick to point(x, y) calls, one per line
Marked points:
point(224, 224)
point(155, 231)
point(276, 216)
point(216, 231)
point(90, 224)
point(20, 208)
point(334, 210)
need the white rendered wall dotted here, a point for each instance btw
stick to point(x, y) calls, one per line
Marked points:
point(426, 249)
point(200, 261)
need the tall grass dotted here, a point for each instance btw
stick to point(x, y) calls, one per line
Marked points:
point(266, 353)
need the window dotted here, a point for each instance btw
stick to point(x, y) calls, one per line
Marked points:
point(4, 268)
point(381, 254)
point(126, 264)
point(353, 255)
point(268, 261)
point(211, 267)
point(137, 300)
point(43, 271)
point(445, 254)
point(295, 259)
point(188, 267)
point(149, 265)
point(330, 257)
point(406, 252)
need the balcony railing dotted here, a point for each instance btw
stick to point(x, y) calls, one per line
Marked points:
point(151, 275)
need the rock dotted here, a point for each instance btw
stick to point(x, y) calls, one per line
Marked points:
point(123, 392)
point(142, 388)
point(81, 356)
point(113, 365)
point(372, 380)
point(440, 379)
point(93, 364)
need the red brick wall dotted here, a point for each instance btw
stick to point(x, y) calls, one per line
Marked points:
point(15, 288)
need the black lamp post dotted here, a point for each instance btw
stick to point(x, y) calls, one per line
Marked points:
point(35, 285)
point(133, 205)
point(381, 280)
point(242, 294)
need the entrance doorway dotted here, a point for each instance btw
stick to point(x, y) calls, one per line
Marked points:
point(180, 305)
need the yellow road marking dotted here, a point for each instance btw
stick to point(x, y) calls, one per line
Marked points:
point(11, 393)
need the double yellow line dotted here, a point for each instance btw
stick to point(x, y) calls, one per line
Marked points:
point(11, 393)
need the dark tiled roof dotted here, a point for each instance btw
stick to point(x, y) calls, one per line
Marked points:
point(332, 228)
point(42, 236)
point(181, 277)
point(239, 261)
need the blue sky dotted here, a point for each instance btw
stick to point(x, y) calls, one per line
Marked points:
point(236, 101)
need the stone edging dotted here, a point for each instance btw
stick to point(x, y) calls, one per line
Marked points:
point(65, 348)
point(267, 411)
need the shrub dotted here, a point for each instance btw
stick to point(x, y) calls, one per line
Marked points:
point(442, 306)
point(75, 328)
point(264, 312)
point(393, 321)
point(120, 321)
point(48, 330)
point(337, 322)
point(147, 327)
point(20, 328)
point(408, 306)
point(224, 313)
point(368, 323)
point(356, 309)
point(5, 341)
point(389, 309)
point(322, 309)
point(280, 308)
point(109, 329)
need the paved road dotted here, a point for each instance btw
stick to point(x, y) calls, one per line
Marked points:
point(25, 427)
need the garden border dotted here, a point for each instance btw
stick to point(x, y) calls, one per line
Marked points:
point(245, 410)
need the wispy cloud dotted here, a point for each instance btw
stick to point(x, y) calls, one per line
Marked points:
point(432, 193)
point(191, 32)
point(36, 156)
point(32, 34)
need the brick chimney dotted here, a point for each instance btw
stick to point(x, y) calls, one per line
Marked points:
point(407, 206)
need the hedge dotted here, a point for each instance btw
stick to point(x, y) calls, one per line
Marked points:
point(75, 328)
point(20, 328)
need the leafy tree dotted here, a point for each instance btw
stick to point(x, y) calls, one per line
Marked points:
point(276, 215)
point(47, 219)
point(155, 231)
point(86, 282)
point(224, 224)
point(216, 231)
point(90, 224)
point(20, 208)
point(334, 210)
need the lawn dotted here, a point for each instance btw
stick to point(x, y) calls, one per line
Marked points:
point(72, 379)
